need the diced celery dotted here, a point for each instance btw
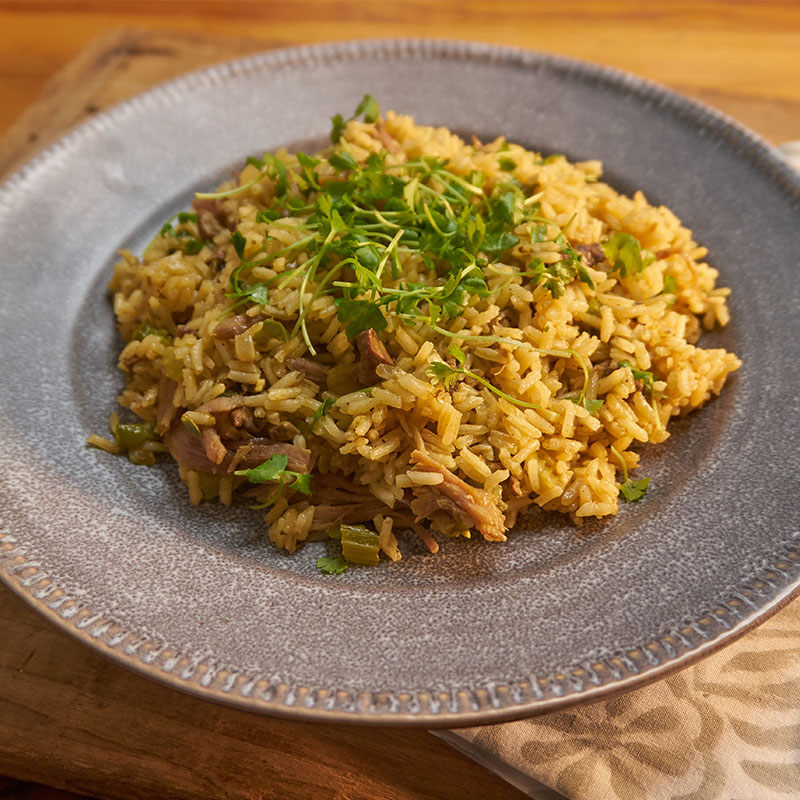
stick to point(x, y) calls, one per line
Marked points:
point(360, 545)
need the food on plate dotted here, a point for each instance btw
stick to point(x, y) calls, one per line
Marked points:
point(410, 331)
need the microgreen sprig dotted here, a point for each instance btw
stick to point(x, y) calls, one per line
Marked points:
point(444, 374)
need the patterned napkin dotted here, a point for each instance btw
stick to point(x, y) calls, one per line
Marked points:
point(727, 728)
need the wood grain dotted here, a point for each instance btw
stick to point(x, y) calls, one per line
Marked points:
point(73, 720)
point(727, 52)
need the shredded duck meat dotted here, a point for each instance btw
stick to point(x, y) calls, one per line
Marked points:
point(476, 503)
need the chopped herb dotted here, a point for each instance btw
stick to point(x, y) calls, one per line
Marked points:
point(342, 161)
point(444, 374)
point(322, 410)
point(507, 164)
point(332, 565)
point(592, 405)
point(640, 375)
point(368, 107)
point(275, 469)
point(191, 246)
point(145, 329)
point(360, 315)
point(631, 490)
point(634, 490)
point(186, 216)
point(670, 286)
point(239, 243)
point(624, 253)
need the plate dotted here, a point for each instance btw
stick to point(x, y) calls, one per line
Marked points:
point(115, 555)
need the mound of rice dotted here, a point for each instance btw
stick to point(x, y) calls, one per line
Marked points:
point(574, 381)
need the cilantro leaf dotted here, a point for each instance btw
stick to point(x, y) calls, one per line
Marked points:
point(239, 242)
point(496, 243)
point(322, 410)
point(301, 482)
point(271, 470)
point(369, 108)
point(186, 216)
point(343, 161)
point(337, 127)
point(441, 373)
point(624, 253)
point(360, 315)
point(507, 164)
point(640, 375)
point(330, 565)
point(670, 286)
point(634, 490)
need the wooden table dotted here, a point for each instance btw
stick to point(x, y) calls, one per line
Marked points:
point(68, 717)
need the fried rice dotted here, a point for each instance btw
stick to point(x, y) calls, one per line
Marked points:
point(370, 400)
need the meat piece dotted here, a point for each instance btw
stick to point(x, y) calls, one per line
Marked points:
point(211, 218)
point(311, 369)
point(477, 503)
point(216, 259)
point(325, 516)
point(190, 452)
point(283, 431)
point(591, 254)
point(166, 410)
point(387, 140)
point(242, 418)
point(428, 503)
point(372, 352)
point(233, 326)
point(221, 404)
point(214, 449)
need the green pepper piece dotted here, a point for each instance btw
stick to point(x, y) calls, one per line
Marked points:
point(173, 366)
point(360, 545)
point(132, 437)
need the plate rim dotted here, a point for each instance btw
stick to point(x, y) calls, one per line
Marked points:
point(619, 672)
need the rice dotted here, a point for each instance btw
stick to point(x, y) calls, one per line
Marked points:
point(531, 395)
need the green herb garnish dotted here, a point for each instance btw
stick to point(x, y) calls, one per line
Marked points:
point(441, 373)
point(332, 565)
point(624, 253)
point(321, 411)
point(145, 329)
point(631, 490)
point(640, 375)
point(368, 107)
point(274, 469)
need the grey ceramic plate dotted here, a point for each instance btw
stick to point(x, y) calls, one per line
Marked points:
point(115, 555)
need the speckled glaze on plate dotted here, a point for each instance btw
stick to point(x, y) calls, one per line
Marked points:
point(482, 632)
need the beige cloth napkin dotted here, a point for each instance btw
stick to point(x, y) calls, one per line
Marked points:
point(727, 728)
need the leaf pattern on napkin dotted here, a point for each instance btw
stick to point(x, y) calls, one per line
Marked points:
point(727, 727)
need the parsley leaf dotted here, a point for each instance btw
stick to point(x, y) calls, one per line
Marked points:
point(624, 253)
point(360, 315)
point(634, 490)
point(330, 565)
point(343, 161)
point(272, 469)
point(640, 375)
point(239, 242)
point(322, 410)
point(496, 243)
point(368, 107)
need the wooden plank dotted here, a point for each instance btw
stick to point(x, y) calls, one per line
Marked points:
point(744, 49)
point(72, 719)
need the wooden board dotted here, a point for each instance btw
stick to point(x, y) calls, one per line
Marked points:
point(71, 719)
